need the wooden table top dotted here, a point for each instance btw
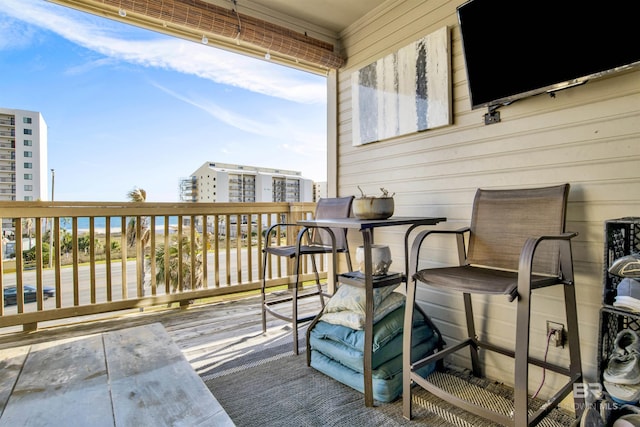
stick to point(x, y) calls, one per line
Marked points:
point(128, 377)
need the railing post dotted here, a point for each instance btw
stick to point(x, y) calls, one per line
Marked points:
point(103, 280)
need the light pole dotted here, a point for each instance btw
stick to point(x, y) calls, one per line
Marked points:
point(53, 181)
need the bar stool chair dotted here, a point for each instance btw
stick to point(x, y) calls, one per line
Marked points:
point(517, 244)
point(310, 242)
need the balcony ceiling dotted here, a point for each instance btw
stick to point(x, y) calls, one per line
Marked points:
point(304, 34)
point(333, 15)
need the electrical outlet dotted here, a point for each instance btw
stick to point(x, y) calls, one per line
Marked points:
point(556, 333)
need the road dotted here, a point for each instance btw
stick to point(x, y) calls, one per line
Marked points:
point(84, 280)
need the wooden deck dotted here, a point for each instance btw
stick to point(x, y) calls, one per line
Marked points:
point(206, 335)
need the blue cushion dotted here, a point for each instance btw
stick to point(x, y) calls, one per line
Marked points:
point(386, 379)
point(353, 359)
point(346, 345)
point(383, 331)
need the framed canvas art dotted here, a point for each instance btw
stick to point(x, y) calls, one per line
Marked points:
point(405, 92)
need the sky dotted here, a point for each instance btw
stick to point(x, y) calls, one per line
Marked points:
point(127, 107)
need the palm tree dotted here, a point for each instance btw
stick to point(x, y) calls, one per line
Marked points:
point(172, 270)
point(27, 224)
point(137, 195)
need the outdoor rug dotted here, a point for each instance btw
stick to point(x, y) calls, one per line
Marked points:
point(273, 387)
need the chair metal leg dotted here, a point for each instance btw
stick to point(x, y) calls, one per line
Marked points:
point(471, 333)
point(406, 349)
point(294, 308)
point(294, 320)
point(575, 361)
point(295, 289)
point(521, 383)
point(349, 265)
point(262, 292)
point(318, 285)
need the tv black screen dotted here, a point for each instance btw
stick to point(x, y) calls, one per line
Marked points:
point(517, 48)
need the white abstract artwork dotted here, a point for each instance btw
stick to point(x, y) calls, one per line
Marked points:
point(404, 92)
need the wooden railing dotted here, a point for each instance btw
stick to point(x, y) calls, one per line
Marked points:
point(106, 257)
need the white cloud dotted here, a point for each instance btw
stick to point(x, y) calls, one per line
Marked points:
point(307, 143)
point(152, 50)
point(226, 116)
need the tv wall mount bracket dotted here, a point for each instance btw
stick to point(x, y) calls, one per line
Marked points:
point(493, 116)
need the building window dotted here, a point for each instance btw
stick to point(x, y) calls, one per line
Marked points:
point(28, 143)
point(28, 198)
point(28, 165)
point(28, 187)
point(27, 131)
point(26, 120)
point(28, 154)
point(28, 176)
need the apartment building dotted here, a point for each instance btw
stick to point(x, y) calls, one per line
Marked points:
point(222, 182)
point(23, 155)
point(319, 190)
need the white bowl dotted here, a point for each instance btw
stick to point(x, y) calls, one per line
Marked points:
point(380, 259)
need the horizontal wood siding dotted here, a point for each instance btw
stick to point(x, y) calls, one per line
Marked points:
point(588, 136)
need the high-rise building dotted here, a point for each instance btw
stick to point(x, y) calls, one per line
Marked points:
point(23, 155)
point(222, 182)
point(319, 190)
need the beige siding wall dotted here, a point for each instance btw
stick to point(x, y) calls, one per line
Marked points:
point(588, 136)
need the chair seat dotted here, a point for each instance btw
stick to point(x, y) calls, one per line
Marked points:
point(479, 280)
point(290, 251)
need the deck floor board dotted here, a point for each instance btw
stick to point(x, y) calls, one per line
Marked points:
point(202, 335)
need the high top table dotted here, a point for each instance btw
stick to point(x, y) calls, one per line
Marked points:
point(366, 227)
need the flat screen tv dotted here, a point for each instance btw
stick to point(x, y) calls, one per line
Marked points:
point(518, 48)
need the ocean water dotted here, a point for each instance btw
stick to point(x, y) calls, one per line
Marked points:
point(100, 223)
